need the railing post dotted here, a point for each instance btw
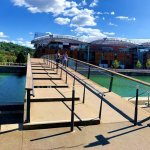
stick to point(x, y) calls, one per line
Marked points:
point(66, 77)
point(48, 60)
point(28, 105)
point(136, 106)
point(100, 110)
point(44, 59)
point(89, 70)
point(111, 82)
point(61, 73)
point(67, 63)
point(72, 110)
point(76, 66)
point(83, 95)
point(57, 70)
point(74, 80)
point(148, 101)
point(51, 61)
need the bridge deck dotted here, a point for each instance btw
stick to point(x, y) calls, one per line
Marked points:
point(53, 104)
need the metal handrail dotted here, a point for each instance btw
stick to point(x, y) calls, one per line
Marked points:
point(112, 72)
point(88, 86)
point(138, 95)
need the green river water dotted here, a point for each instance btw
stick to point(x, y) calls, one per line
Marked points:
point(12, 86)
point(122, 86)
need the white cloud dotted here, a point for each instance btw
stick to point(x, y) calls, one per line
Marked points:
point(31, 33)
point(94, 3)
point(126, 18)
point(88, 34)
point(19, 2)
point(23, 42)
point(103, 18)
point(4, 40)
point(62, 21)
point(112, 24)
point(2, 35)
point(83, 20)
point(105, 13)
point(85, 17)
point(109, 33)
point(71, 12)
point(48, 6)
point(112, 13)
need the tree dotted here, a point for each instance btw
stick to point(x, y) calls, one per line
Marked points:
point(148, 64)
point(20, 58)
point(138, 64)
point(116, 64)
point(2, 58)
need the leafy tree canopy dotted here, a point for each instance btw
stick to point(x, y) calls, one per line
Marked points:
point(9, 52)
point(138, 64)
point(116, 64)
point(148, 63)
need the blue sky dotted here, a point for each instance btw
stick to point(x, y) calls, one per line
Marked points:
point(86, 19)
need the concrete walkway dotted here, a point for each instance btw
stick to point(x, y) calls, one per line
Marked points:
point(115, 109)
point(112, 136)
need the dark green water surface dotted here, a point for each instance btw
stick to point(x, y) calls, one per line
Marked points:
point(122, 86)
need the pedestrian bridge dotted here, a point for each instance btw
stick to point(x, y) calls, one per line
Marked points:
point(58, 96)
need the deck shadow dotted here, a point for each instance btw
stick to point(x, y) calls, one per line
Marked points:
point(58, 134)
point(101, 140)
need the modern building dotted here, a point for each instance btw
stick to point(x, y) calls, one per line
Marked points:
point(101, 52)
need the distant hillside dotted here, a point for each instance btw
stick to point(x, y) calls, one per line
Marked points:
point(10, 51)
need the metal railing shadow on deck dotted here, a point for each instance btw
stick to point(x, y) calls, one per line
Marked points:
point(29, 89)
point(136, 87)
point(86, 86)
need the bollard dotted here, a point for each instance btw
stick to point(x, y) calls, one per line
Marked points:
point(72, 110)
point(136, 106)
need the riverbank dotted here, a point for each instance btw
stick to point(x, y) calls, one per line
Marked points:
point(133, 72)
point(13, 69)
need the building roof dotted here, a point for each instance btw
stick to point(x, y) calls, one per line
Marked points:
point(47, 38)
point(147, 44)
point(113, 42)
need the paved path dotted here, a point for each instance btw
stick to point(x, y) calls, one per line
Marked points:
point(112, 136)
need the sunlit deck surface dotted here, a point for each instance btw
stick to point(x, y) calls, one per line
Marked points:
point(52, 105)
